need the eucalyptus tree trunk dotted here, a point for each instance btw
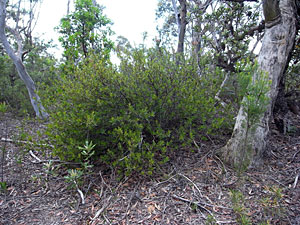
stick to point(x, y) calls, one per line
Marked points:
point(182, 27)
point(177, 15)
point(68, 7)
point(277, 44)
point(17, 60)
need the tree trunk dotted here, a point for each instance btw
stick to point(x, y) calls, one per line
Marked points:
point(182, 28)
point(177, 15)
point(34, 98)
point(277, 44)
point(68, 7)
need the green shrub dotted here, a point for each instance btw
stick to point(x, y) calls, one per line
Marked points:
point(134, 114)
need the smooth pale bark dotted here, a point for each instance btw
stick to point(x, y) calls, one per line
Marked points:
point(277, 44)
point(68, 7)
point(34, 98)
point(182, 28)
point(177, 16)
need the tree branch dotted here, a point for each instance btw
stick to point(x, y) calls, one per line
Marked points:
point(250, 32)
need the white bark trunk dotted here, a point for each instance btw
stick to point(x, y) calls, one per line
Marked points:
point(176, 14)
point(34, 98)
point(277, 44)
point(182, 27)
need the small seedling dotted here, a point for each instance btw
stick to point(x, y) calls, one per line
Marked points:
point(3, 186)
point(210, 220)
point(75, 175)
point(238, 200)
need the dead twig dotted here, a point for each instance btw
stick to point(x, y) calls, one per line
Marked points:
point(223, 166)
point(201, 204)
point(102, 209)
point(198, 204)
point(294, 156)
point(40, 161)
point(296, 181)
point(162, 182)
point(197, 146)
point(106, 219)
point(192, 183)
point(34, 156)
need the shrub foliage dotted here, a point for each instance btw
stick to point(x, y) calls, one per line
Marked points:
point(132, 113)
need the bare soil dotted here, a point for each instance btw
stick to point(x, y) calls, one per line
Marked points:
point(196, 187)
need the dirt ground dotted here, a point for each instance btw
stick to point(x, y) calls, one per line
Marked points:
point(196, 187)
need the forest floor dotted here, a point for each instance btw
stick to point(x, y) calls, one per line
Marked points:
point(196, 188)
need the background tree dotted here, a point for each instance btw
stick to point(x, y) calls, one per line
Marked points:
point(222, 31)
point(17, 55)
point(38, 62)
point(273, 58)
point(82, 31)
point(230, 31)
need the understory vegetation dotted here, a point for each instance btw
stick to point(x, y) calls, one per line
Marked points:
point(135, 114)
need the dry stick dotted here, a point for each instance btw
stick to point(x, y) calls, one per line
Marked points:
point(34, 156)
point(296, 181)
point(201, 204)
point(278, 182)
point(221, 163)
point(294, 156)
point(104, 181)
point(24, 142)
point(192, 183)
point(81, 195)
point(197, 146)
point(195, 186)
point(106, 219)
point(165, 181)
point(28, 142)
point(191, 202)
point(102, 209)
point(47, 161)
point(108, 201)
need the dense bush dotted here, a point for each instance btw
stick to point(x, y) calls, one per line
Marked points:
point(132, 113)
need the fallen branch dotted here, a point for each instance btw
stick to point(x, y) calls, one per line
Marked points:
point(192, 183)
point(198, 204)
point(24, 142)
point(201, 203)
point(102, 209)
point(50, 160)
point(162, 182)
